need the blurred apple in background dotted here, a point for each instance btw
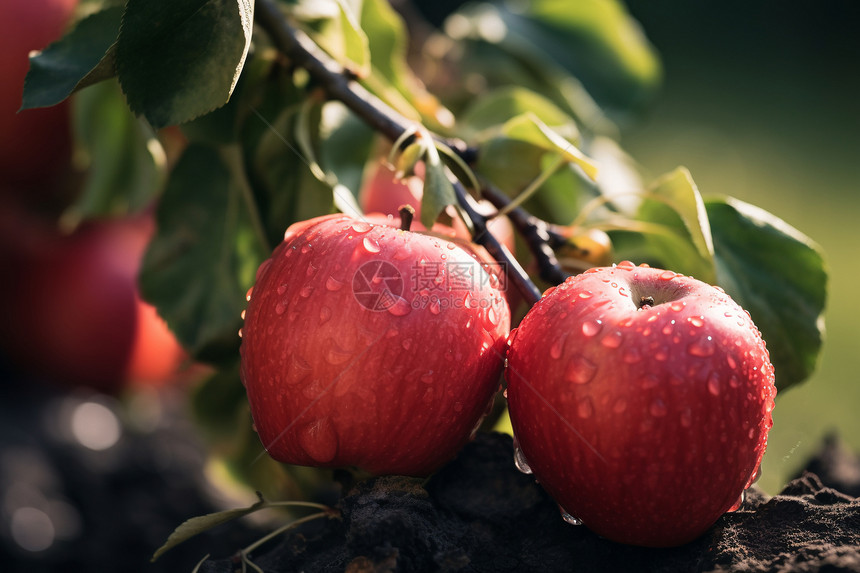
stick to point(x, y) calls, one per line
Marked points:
point(35, 145)
point(71, 307)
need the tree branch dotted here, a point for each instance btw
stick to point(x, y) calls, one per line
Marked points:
point(339, 85)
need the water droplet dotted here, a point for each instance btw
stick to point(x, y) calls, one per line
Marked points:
point(591, 327)
point(662, 353)
point(451, 246)
point(370, 245)
point(406, 343)
point(658, 408)
point(520, 461)
point(569, 518)
point(734, 382)
point(319, 440)
point(337, 355)
point(678, 305)
point(401, 307)
point(632, 355)
point(667, 329)
point(585, 294)
point(626, 265)
point(619, 406)
point(697, 321)
point(427, 377)
point(306, 248)
point(280, 308)
point(558, 346)
point(492, 316)
point(360, 227)
point(666, 276)
point(686, 418)
point(585, 408)
point(240, 333)
point(242, 315)
point(737, 505)
point(751, 433)
point(732, 362)
point(580, 370)
point(248, 294)
point(333, 284)
point(714, 384)
point(622, 291)
point(325, 314)
point(648, 381)
point(612, 340)
point(306, 291)
point(702, 347)
point(435, 306)
point(282, 288)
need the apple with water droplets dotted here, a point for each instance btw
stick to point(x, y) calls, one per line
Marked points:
point(370, 346)
point(641, 400)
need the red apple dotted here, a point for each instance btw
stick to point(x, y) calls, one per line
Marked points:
point(641, 399)
point(72, 311)
point(35, 144)
point(369, 346)
point(384, 193)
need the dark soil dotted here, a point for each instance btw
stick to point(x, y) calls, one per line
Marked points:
point(109, 510)
point(479, 514)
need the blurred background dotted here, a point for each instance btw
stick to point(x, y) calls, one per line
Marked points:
point(760, 102)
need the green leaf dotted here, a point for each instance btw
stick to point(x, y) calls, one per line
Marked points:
point(203, 257)
point(778, 275)
point(340, 34)
point(529, 128)
point(179, 59)
point(83, 57)
point(127, 165)
point(673, 203)
point(438, 191)
point(495, 108)
point(199, 524)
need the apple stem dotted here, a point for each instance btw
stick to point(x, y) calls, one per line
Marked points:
point(407, 213)
point(646, 302)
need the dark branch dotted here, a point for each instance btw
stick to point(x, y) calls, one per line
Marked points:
point(540, 237)
point(339, 85)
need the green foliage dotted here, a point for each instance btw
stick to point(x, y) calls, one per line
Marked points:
point(268, 148)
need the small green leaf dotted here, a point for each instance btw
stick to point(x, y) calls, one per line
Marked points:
point(673, 203)
point(127, 165)
point(342, 37)
point(203, 257)
point(83, 57)
point(529, 128)
point(199, 524)
point(778, 275)
point(179, 59)
point(495, 108)
point(438, 191)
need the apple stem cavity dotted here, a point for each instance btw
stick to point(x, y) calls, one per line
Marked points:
point(646, 302)
point(407, 213)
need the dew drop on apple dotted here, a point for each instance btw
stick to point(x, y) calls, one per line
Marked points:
point(520, 460)
point(242, 315)
point(632, 355)
point(282, 288)
point(400, 307)
point(306, 291)
point(612, 340)
point(360, 227)
point(333, 284)
point(306, 248)
point(714, 384)
point(248, 294)
point(580, 370)
point(492, 317)
point(666, 276)
point(678, 305)
point(427, 377)
point(557, 346)
point(319, 440)
point(406, 343)
point(240, 333)
point(703, 347)
point(570, 519)
point(585, 408)
point(435, 306)
point(648, 381)
point(697, 321)
point(585, 294)
point(591, 327)
point(325, 314)
point(662, 353)
point(280, 308)
point(370, 245)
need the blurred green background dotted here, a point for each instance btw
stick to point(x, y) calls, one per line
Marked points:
point(761, 100)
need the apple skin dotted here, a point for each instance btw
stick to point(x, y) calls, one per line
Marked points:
point(72, 309)
point(333, 383)
point(35, 149)
point(647, 425)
